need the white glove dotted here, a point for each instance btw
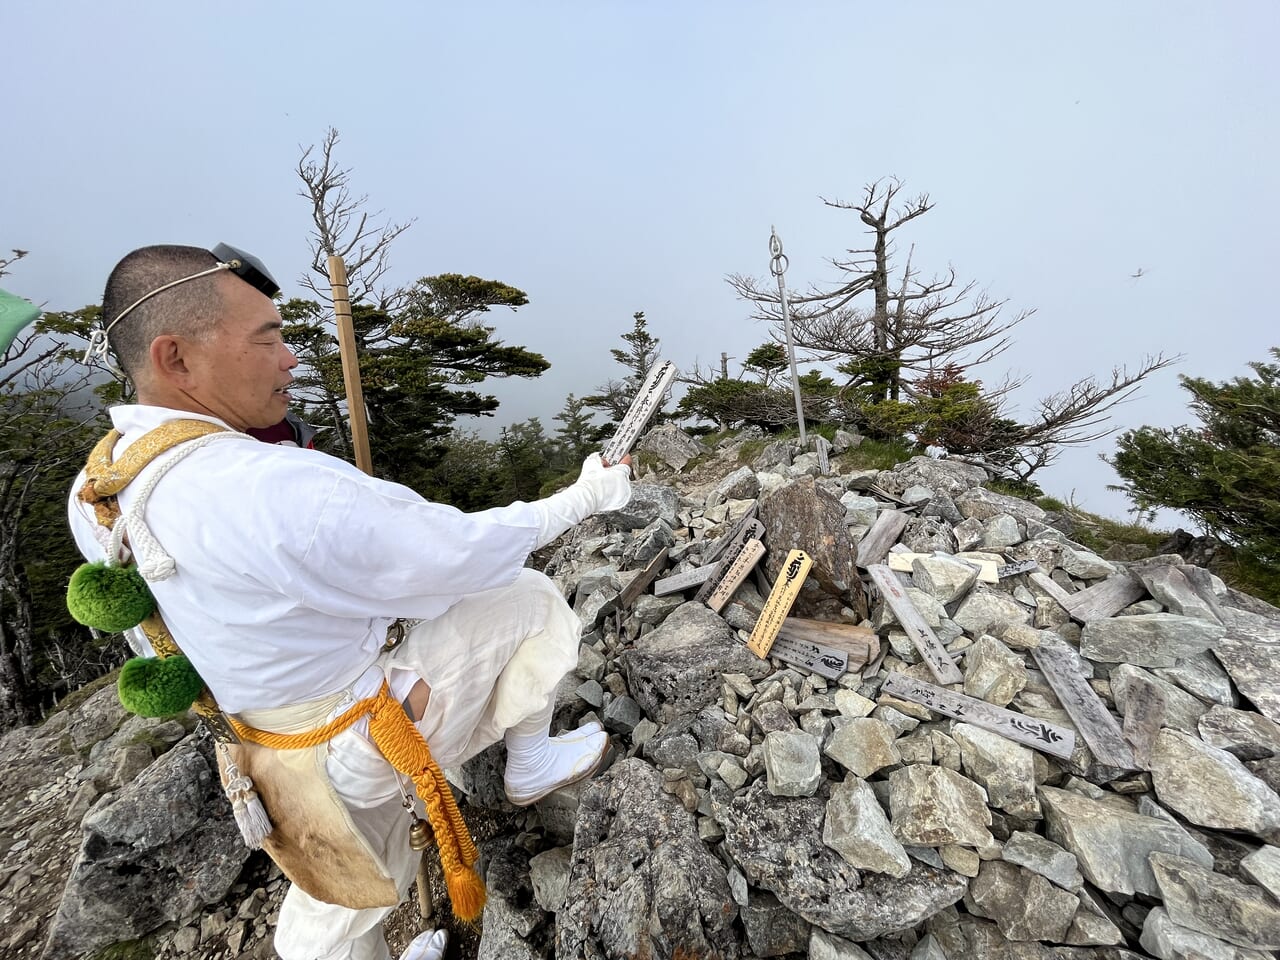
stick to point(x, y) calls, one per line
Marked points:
point(598, 488)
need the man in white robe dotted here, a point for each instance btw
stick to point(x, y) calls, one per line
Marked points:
point(290, 566)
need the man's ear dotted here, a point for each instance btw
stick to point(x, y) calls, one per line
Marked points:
point(169, 359)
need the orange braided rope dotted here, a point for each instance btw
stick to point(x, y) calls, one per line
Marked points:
point(405, 749)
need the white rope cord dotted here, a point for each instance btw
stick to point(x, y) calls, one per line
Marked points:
point(154, 563)
point(98, 346)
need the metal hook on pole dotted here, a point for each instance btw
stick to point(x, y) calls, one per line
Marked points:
point(778, 264)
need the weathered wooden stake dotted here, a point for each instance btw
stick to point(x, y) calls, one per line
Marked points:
point(350, 364)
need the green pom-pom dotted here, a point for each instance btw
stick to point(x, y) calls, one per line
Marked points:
point(151, 687)
point(109, 599)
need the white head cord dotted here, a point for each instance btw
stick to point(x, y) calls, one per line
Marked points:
point(99, 349)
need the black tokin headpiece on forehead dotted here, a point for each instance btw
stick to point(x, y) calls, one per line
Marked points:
point(248, 268)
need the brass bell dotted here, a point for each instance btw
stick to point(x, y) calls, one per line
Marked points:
point(419, 834)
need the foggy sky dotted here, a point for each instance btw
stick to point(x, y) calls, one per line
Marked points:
point(609, 157)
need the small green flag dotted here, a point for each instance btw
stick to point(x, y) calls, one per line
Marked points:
point(15, 313)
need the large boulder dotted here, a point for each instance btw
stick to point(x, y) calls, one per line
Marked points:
point(641, 883)
point(778, 843)
point(1112, 844)
point(804, 516)
point(674, 671)
point(157, 852)
point(671, 445)
point(1211, 788)
point(649, 502)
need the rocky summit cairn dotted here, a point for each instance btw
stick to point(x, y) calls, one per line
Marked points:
point(1100, 781)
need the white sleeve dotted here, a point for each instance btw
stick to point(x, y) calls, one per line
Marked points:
point(597, 489)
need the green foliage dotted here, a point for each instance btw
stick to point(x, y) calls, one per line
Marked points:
point(49, 420)
point(144, 949)
point(82, 693)
point(1012, 487)
point(877, 455)
point(888, 419)
point(729, 403)
point(522, 460)
point(1226, 472)
point(944, 410)
point(1246, 572)
point(766, 360)
point(871, 379)
point(465, 474)
point(474, 474)
point(615, 396)
point(109, 598)
point(419, 365)
point(152, 687)
point(577, 436)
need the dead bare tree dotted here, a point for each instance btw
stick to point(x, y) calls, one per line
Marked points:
point(1075, 416)
point(343, 228)
point(911, 325)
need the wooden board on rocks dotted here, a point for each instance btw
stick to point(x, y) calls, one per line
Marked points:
point(743, 531)
point(900, 562)
point(1029, 731)
point(883, 534)
point(781, 597)
point(744, 561)
point(926, 642)
point(1096, 725)
point(1104, 599)
point(640, 582)
point(861, 643)
point(825, 661)
point(683, 581)
point(1052, 588)
point(742, 534)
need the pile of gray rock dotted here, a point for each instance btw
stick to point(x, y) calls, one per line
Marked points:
point(760, 810)
point(755, 808)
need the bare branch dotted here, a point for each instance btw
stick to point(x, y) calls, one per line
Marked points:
point(343, 228)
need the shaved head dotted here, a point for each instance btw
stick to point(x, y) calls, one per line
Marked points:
point(188, 310)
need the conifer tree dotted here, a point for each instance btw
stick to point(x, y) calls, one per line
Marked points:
point(1226, 472)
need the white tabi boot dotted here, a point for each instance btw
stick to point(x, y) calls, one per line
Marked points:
point(539, 764)
point(426, 946)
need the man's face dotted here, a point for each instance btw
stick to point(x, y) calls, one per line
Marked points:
point(241, 369)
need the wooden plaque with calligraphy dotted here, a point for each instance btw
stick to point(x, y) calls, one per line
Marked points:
point(1096, 725)
point(1037, 734)
point(926, 642)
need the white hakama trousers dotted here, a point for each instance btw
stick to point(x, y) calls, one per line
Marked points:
point(492, 660)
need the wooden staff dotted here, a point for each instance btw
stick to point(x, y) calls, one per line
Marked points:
point(350, 364)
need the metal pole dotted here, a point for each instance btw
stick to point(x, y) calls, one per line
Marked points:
point(778, 266)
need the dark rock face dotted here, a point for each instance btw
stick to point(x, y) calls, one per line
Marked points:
point(161, 849)
point(674, 671)
point(641, 883)
point(803, 515)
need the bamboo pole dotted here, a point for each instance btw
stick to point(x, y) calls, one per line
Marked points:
point(350, 364)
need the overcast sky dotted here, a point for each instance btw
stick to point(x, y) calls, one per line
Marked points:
point(613, 157)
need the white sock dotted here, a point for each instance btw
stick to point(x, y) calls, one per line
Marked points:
point(538, 763)
point(426, 946)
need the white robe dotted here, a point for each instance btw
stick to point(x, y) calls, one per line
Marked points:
point(290, 566)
